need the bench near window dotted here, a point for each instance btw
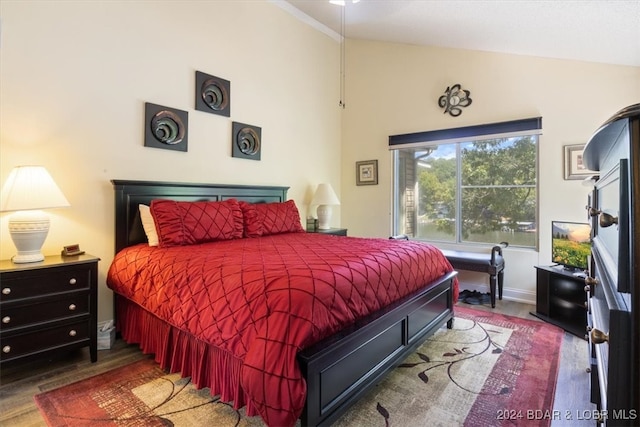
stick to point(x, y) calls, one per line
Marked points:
point(490, 263)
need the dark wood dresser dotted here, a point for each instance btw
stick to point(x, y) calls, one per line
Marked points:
point(48, 307)
point(613, 285)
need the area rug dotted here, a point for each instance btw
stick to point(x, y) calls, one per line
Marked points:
point(489, 370)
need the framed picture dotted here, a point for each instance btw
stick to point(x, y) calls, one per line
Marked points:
point(367, 172)
point(573, 166)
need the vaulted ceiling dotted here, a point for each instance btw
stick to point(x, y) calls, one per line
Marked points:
point(589, 30)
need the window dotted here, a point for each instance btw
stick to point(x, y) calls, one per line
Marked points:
point(468, 185)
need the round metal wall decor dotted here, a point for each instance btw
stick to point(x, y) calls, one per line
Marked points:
point(213, 94)
point(454, 100)
point(165, 127)
point(246, 142)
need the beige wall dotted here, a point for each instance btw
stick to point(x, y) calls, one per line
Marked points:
point(75, 76)
point(393, 89)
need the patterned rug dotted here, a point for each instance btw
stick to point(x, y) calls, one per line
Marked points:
point(489, 370)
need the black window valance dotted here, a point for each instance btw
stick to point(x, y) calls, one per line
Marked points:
point(531, 126)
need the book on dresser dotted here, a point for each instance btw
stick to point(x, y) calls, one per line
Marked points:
point(614, 288)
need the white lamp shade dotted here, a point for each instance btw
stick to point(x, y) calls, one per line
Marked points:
point(27, 190)
point(325, 196)
point(31, 187)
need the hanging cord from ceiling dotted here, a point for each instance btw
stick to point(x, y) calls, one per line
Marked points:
point(343, 58)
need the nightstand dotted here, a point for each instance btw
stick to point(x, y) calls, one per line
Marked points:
point(48, 307)
point(560, 299)
point(334, 231)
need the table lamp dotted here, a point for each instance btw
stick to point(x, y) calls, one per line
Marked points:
point(28, 190)
point(324, 198)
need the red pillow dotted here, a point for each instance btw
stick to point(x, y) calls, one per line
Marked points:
point(188, 223)
point(252, 224)
point(263, 219)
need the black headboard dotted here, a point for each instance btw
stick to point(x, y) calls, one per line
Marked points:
point(129, 194)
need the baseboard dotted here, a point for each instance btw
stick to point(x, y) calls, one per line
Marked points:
point(519, 295)
point(510, 294)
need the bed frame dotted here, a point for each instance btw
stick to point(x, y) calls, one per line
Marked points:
point(341, 368)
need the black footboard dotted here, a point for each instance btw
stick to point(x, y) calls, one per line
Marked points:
point(340, 369)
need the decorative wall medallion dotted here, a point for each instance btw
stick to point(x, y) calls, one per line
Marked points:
point(165, 127)
point(213, 94)
point(247, 141)
point(454, 99)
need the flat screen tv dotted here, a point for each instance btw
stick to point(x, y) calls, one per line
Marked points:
point(571, 244)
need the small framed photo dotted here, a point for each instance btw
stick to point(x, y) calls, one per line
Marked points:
point(367, 172)
point(573, 166)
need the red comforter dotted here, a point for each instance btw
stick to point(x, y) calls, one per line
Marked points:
point(263, 299)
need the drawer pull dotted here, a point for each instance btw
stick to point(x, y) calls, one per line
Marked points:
point(591, 281)
point(72, 333)
point(6, 291)
point(73, 281)
point(593, 211)
point(6, 319)
point(72, 307)
point(599, 337)
point(6, 349)
point(607, 220)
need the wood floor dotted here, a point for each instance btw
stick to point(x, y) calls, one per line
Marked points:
point(20, 382)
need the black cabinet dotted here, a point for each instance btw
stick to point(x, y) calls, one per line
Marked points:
point(614, 288)
point(334, 231)
point(48, 307)
point(561, 298)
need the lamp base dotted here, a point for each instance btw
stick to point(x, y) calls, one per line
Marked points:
point(324, 217)
point(28, 230)
point(23, 258)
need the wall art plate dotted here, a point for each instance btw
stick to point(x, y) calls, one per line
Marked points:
point(165, 127)
point(454, 100)
point(213, 94)
point(246, 142)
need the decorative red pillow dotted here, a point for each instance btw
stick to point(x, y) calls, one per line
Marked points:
point(252, 224)
point(263, 219)
point(188, 223)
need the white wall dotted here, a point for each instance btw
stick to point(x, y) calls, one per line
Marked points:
point(393, 89)
point(76, 74)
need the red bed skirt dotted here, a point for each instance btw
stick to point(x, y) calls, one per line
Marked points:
point(178, 351)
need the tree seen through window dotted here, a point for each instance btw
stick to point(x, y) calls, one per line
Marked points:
point(480, 191)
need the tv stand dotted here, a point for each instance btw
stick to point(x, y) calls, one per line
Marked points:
point(561, 298)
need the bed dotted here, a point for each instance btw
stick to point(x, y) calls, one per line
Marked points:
point(334, 344)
